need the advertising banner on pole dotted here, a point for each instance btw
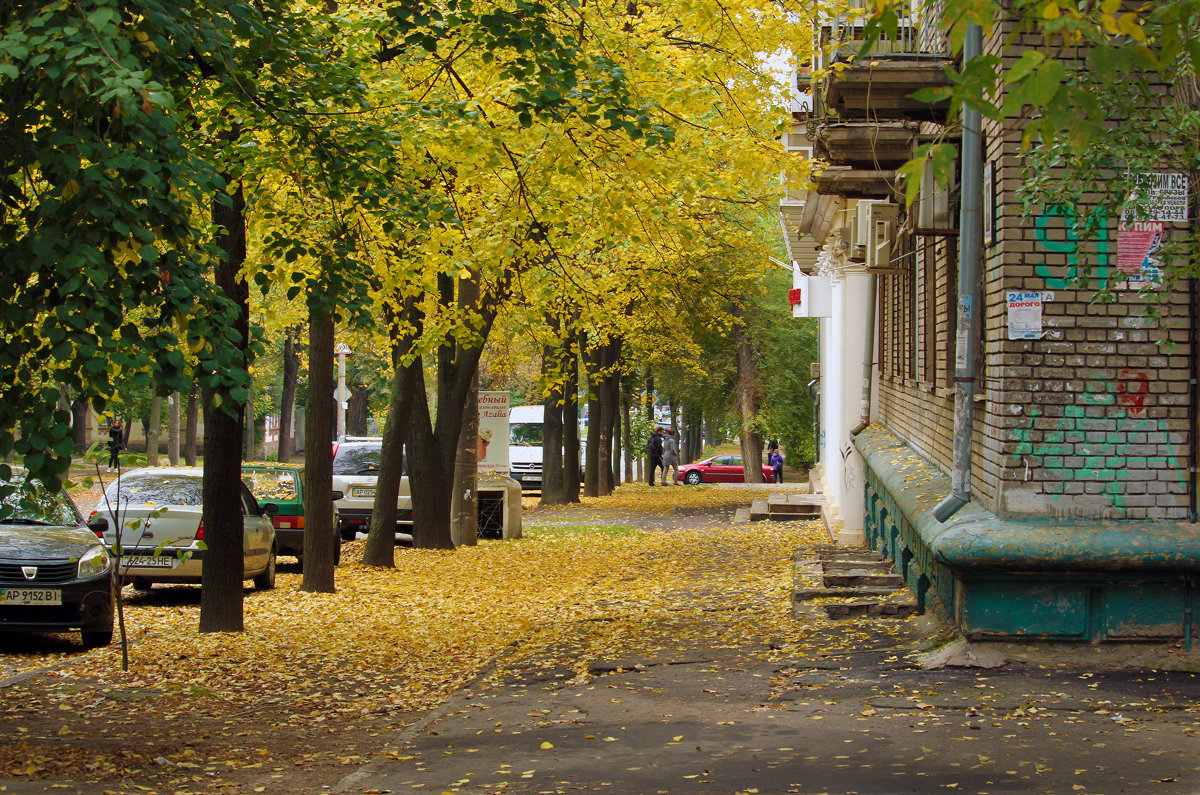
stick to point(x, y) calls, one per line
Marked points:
point(493, 432)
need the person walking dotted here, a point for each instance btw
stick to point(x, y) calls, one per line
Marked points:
point(776, 462)
point(116, 443)
point(670, 456)
point(654, 448)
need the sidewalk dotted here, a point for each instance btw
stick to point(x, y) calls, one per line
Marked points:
point(835, 707)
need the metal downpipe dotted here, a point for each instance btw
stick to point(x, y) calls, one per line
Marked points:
point(970, 248)
point(868, 357)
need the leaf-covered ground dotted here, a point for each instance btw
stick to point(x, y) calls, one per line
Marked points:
point(307, 690)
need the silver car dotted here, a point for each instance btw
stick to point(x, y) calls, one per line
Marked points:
point(355, 474)
point(162, 536)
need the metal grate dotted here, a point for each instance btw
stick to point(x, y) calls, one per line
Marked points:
point(491, 514)
point(46, 572)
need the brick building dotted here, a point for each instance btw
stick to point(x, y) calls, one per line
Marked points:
point(1075, 418)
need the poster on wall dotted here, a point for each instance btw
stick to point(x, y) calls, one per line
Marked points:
point(1163, 197)
point(1024, 315)
point(1138, 257)
point(493, 432)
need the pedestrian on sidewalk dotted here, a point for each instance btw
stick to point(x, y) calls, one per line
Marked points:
point(670, 456)
point(116, 443)
point(776, 462)
point(654, 449)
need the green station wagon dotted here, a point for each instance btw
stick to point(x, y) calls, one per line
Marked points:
point(282, 485)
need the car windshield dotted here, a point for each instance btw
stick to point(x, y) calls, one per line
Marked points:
point(33, 503)
point(527, 433)
point(351, 459)
point(155, 487)
point(270, 484)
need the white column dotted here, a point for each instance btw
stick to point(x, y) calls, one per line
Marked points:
point(843, 341)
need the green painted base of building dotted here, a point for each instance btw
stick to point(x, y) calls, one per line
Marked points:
point(994, 578)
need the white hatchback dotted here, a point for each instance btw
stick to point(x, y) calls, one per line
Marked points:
point(162, 535)
point(355, 474)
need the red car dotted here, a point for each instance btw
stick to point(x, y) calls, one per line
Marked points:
point(718, 469)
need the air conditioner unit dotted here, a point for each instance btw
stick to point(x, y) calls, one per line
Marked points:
point(863, 215)
point(933, 206)
point(882, 218)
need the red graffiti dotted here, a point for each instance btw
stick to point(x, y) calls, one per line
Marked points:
point(1132, 386)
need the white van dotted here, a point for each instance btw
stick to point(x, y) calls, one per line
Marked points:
point(525, 424)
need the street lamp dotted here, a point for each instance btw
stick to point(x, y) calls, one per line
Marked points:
point(342, 395)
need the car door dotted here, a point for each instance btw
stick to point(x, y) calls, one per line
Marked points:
point(720, 469)
point(734, 472)
point(257, 533)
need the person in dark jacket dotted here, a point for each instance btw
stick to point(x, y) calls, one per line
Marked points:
point(654, 448)
point(116, 443)
point(776, 462)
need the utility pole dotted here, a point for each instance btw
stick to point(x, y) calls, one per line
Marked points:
point(342, 397)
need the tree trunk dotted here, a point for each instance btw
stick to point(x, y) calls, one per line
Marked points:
point(318, 462)
point(570, 415)
point(748, 391)
point(554, 490)
point(607, 392)
point(287, 395)
point(191, 425)
point(79, 423)
point(381, 537)
point(356, 410)
point(650, 418)
point(173, 428)
point(223, 571)
point(464, 505)
point(248, 452)
point(627, 429)
point(595, 442)
point(152, 431)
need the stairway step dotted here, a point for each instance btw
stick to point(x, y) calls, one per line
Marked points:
point(853, 566)
point(871, 608)
point(867, 580)
point(805, 594)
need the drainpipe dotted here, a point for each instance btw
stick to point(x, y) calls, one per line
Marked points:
point(970, 245)
point(814, 392)
point(868, 358)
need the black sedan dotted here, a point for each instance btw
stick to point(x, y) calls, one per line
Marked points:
point(55, 575)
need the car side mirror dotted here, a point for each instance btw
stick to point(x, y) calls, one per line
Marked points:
point(338, 495)
point(99, 525)
point(269, 509)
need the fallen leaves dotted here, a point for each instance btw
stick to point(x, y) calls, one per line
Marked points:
point(393, 643)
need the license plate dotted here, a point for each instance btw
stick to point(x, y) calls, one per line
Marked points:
point(30, 596)
point(150, 561)
point(365, 493)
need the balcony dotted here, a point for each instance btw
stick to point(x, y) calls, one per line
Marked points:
point(857, 183)
point(865, 145)
point(877, 85)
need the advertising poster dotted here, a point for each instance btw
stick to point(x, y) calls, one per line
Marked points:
point(1024, 315)
point(1164, 197)
point(493, 432)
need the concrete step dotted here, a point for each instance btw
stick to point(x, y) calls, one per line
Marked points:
point(857, 566)
point(871, 580)
point(805, 594)
point(895, 609)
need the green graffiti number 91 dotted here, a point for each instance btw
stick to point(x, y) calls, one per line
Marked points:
point(1070, 246)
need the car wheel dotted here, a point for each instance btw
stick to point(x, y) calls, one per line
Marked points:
point(141, 584)
point(96, 638)
point(337, 550)
point(348, 534)
point(266, 580)
point(693, 478)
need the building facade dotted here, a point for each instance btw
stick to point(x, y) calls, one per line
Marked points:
point(1076, 416)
